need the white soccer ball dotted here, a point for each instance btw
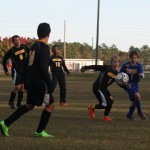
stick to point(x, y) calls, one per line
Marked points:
point(122, 79)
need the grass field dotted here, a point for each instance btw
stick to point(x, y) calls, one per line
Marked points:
point(72, 127)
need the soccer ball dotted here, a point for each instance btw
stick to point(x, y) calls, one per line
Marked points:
point(122, 79)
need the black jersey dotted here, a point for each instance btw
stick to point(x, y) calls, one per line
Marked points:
point(57, 64)
point(18, 57)
point(106, 76)
point(39, 63)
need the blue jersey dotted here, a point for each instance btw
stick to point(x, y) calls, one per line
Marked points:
point(132, 71)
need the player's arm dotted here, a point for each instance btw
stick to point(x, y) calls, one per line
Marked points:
point(65, 67)
point(43, 66)
point(4, 62)
point(140, 71)
point(93, 67)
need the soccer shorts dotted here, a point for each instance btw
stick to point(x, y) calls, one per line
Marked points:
point(37, 92)
point(18, 77)
point(132, 91)
point(103, 96)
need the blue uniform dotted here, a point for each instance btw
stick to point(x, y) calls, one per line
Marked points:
point(133, 72)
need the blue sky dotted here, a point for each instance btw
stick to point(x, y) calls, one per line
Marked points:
point(122, 22)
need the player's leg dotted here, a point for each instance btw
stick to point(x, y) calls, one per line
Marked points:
point(131, 93)
point(100, 97)
point(62, 85)
point(110, 101)
point(14, 91)
point(20, 95)
point(20, 81)
point(17, 81)
point(45, 117)
point(4, 124)
point(54, 80)
point(12, 99)
point(139, 106)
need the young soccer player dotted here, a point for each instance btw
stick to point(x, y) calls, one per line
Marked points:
point(57, 65)
point(135, 72)
point(18, 56)
point(100, 87)
point(38, 84)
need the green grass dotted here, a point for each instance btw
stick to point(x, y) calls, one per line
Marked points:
point(72, 127)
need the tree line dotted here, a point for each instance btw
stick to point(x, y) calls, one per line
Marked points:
point(84, 51)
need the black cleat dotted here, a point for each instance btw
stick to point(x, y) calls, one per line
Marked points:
point(11, 105)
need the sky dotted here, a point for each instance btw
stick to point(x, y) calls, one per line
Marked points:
point(124, 23)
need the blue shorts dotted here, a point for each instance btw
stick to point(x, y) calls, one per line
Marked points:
point(132, 91)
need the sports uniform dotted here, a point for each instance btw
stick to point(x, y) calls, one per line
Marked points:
point(38, 80)
point(57, 65)
point(38, 85)
point(18, 56)
point(135, 72)
point(100, 87)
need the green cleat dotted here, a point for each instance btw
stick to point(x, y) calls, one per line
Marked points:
point(4, 128)
point(43, 134)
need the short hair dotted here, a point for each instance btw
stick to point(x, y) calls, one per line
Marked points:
point(15, 36)
point(132, 53)
point(53, 47)
point(43, 30)
point(114, 57)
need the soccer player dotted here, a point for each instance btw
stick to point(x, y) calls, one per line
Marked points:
point(38, 84)
point(135, 72)
point(18, 56)
point(57, 65)
point(100, 87)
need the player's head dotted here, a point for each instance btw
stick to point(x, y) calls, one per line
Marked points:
point(115, 61)
point(133, 57)
point(55, 50)
point(43, 30)
point(16, 40)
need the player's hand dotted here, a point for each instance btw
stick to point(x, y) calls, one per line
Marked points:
point(7, 73)
point(128, 85)
point(141, 75)
point(83, 69)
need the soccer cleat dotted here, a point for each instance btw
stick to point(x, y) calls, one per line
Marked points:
point(11, 105)
point(106, 118)
point(91, 111)
point(4, 128)
point(141, 115)
point(63, 104)
point(131, 117)
point(43, 134)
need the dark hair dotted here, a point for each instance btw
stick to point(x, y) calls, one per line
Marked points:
point(15, 36)
point(132, 53)
point(43, 30)
point(53, 48)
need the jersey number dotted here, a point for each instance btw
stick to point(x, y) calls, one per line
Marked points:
point(31, 57)
point(57, 64)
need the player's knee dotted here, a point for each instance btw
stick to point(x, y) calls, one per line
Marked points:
point(50, 107)
point(30, 107)
point(137, 96)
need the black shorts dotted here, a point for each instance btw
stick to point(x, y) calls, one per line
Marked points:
point(36, 92)
point(103, 96)
point(18, 77)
